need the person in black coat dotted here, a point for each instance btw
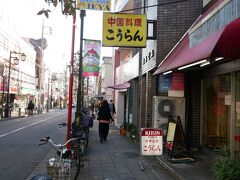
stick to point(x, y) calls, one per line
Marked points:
point(104, 118)
point(112, 108)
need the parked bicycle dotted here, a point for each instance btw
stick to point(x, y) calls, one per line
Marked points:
point(64, 165)
point(59, 167)
point(81, 129)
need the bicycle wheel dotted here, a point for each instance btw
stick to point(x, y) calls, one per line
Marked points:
point(67, 169)
point(77, 158)
point(87, 136)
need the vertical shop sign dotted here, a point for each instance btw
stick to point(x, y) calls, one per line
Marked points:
point(170, 135)
point(178, 81)
point(151, 141)
point(91, 57)
point(100, 5)
point(164, 83)
point(124, 30)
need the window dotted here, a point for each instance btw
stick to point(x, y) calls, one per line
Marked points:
point(216, 110)
point(237, 119)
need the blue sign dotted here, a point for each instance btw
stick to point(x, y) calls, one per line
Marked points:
point(164, 82)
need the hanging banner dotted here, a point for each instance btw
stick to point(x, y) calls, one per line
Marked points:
point(91, 57)
point(124, 30)
point(103, 5)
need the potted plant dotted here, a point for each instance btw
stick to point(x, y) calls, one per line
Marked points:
point(132, 130)
point(123, 128)
point(226, 167)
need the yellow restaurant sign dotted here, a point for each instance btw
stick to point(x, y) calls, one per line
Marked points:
point(101, 5)
point(124, 30)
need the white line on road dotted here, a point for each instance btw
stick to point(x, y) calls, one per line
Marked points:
point(16, 130)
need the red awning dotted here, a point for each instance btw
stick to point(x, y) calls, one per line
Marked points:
point(120, 86)
point(224, 43)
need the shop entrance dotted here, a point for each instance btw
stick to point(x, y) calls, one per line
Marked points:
point(216, 111)
point(237, 119)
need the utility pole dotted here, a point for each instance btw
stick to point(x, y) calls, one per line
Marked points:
point(40, 72)
point(40, 78)
point(80, 78)
point(48, 99)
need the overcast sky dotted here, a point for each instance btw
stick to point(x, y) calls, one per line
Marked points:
point(58, 53)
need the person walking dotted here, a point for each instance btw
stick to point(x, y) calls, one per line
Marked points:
point(104, 118)
point(112, 109)
point(30, 108)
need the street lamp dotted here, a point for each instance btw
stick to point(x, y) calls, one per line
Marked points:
point(80, 78)
point(16, 60)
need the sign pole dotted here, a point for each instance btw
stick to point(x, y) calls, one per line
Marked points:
point(70, 84)
point(140, 162)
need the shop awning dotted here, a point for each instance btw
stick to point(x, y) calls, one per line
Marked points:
point(224, 43)
point(120, 86)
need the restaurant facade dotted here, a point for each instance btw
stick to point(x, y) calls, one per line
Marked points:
point(207, 59)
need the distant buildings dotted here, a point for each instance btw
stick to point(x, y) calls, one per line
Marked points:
point(28, 78)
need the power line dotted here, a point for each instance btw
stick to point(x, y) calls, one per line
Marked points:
point(159, 4)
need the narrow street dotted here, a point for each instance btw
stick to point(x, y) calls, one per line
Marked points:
point(19, 139)
point(166, 72)
point(117, 158)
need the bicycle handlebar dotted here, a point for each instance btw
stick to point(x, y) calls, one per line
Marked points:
point(48, 139)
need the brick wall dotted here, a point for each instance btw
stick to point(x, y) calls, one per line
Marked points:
point(173, 21)
point(150, 83)
point(143, 102)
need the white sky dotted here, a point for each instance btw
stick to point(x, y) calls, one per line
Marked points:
point(58, 52)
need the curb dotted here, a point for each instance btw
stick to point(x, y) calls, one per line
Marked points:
point(168, 168)
point(11, 118)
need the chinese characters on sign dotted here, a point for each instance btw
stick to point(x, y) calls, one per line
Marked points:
point(125, 30)
point(101, 5)
point(152, 140)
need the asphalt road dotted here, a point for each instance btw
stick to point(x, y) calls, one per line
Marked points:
point(19, 139)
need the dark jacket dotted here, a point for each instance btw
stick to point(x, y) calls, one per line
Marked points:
point(104, 113)
point(30, 106)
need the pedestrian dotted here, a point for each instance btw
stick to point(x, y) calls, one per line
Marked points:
point(30, 108)
point(104, 118)
point(112, 109)
point(91, 108)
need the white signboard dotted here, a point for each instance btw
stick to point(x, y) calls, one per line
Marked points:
point(151, 141)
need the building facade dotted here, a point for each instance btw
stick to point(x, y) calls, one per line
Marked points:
point(172, 22)
point(208, 56)
point(22, 86)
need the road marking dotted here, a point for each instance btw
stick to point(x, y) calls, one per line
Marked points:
point(19, 129)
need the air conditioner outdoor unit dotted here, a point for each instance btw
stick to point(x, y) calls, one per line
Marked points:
point(164, 106)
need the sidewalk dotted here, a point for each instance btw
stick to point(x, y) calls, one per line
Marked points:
point(118, 158)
